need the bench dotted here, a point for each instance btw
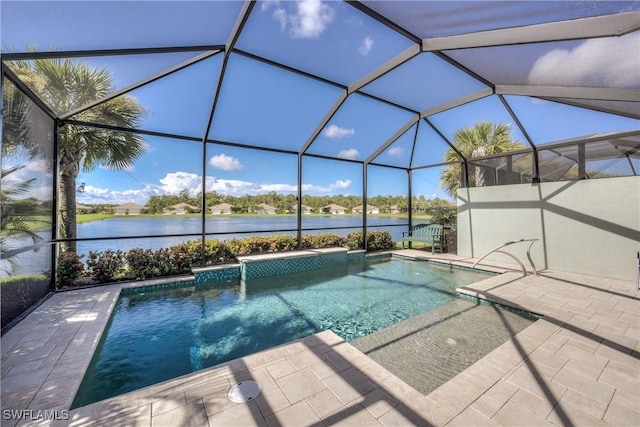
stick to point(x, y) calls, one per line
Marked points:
point(432, 234)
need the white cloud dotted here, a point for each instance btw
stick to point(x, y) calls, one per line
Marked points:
point(175, 182)
point(307, 19)
point(340, 184)
point(336, 132)
point(396, 151)
point(588, 64)
point(280, 188)
point(365, 46)
point(226, 163)
point(97, 195)
point(351, 154)
point(280, 15)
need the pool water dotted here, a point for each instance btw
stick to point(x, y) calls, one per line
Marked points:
point(158, 335)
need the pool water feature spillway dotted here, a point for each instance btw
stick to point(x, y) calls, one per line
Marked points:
point(156, 335)
point(279, 263)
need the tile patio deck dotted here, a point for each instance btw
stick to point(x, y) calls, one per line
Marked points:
point(579, 365)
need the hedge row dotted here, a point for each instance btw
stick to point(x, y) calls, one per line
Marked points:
point(137, 264)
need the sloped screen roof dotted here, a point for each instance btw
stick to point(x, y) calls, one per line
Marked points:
point(350, 80)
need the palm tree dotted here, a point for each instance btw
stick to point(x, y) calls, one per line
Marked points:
point(66, 85)
point(481, 139)
point(14, 227)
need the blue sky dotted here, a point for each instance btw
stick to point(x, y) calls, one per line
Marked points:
point(267, 106)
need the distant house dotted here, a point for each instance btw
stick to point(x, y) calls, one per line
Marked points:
point(128, 209)
point(180, 209)
point(370, 209)
point(83, 208)
point(305, 209)
point(334, 209)
point(263, 208)
point(394, 209)
point(222, 208)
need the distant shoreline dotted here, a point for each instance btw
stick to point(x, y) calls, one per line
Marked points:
point(83, 218)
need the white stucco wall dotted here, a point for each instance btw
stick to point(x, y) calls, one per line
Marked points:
point(587, 226)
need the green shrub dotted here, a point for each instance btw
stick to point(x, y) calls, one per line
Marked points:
point(257, 244)
point(140, 263)
point(324, 240)
point(69, 269)
point(217, 252)
point(376, 240)
point(354, 240)
point(104, 266)
point(379, 240)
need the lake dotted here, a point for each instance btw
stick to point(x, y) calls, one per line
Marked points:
point(229, 226)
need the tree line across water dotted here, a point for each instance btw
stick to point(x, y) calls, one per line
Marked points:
point(285, 203)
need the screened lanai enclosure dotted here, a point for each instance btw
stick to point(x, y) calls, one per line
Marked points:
point(147, 132)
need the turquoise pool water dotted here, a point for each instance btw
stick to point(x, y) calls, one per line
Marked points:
point(159, 335)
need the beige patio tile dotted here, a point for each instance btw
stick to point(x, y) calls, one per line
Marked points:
point(623, 412)
point(513, 413)
point(578, 351)
point(327, 337)
point(324, 403)
point(348, 385)
point(300, 385)
point(18, 368)
point(280, 368)
point(567, 414)
point(537, 381)
point(403, 416)
point(449, 400)
point(191, 414)
point(297, 415)
point(579, 339)
point(214, 387)
point(296, 347)
point(338, 362)
point(215, 401)
point(596, 390)
point(554, 343)
point(271, 402)
point(547, 358)
point(323, 370)
point(470, 417)
point(259, 359)
point(487, 406)
point(618, 354)
point(590, 367)
point(261, 376)
point(541, 406)
point(304, 359)
point(100, 410)
point(24, 382)
point(19, 399)
point(378, 402)
point(586, 404)
point(239, 415)
point(168, 404)
point(353, 414)
point(633, 331)
point(134, 417)
point(625, 377)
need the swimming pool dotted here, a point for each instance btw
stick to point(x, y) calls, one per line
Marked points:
point(162, 334)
